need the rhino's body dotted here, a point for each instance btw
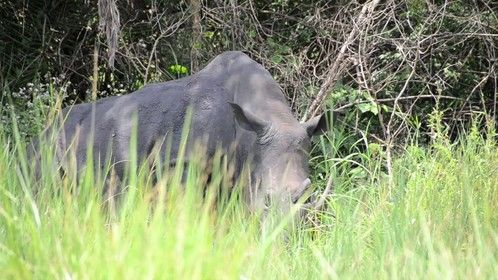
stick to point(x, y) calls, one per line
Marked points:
point(235, 103)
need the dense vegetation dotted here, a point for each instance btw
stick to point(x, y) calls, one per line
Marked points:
point(413, 160)
point(387, 67)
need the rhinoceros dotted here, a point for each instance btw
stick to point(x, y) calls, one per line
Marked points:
point(235, 104)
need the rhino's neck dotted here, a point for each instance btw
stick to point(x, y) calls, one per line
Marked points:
point(251, 86)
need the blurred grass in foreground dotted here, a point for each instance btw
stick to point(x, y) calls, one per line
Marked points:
point(438, 221)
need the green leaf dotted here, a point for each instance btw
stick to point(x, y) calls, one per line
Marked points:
point(358, 173)
point(209, 34)
point(178, 69)
point(276, 58)
point(368, 107)
point(374, 148)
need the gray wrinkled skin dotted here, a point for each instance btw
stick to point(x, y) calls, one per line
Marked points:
point(236, 104)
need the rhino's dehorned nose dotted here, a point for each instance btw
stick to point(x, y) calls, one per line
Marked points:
point(302, 189)
point(305, 183)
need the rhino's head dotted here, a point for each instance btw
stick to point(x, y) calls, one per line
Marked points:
point(280, 170)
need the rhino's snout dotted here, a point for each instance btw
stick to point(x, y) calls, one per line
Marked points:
point(301, 190)
point(306, 183)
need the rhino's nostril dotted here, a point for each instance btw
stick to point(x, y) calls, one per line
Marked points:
point(267, 201)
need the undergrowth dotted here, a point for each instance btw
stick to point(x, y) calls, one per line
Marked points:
point(436, 221)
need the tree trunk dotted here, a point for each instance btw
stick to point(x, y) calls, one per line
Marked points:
point(195, 6)
point(95, 74)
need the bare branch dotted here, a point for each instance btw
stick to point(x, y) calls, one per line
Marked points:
point(341, 61)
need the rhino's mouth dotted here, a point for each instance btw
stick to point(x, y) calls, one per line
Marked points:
point(307, 200)
point(312, 200)
point(315, 202)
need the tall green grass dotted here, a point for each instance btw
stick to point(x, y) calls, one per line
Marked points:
point(437, 221)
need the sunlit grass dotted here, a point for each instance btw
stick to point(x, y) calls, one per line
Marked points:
point(438, 221)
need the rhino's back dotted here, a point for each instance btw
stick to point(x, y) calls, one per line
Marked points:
point(158, 111)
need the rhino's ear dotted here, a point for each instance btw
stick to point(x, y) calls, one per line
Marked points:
point(319, 125)
point(248, 120)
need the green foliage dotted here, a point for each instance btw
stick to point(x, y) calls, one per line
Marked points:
point(29, 106)
point(297, 41)
point(178, 70)
point(437, 219)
